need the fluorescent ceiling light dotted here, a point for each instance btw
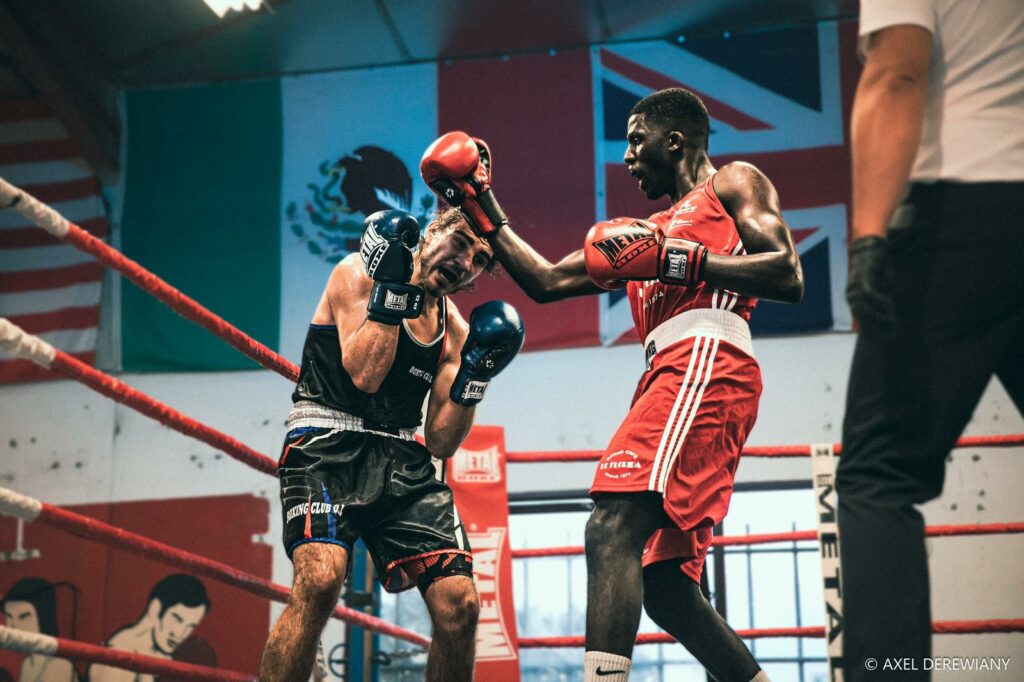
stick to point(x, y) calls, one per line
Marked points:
point(221, 7)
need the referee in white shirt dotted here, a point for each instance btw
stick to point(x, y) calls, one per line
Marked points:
point(937, 285)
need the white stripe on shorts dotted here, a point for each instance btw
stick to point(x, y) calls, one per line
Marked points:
point(663, 482)
point(674, 425)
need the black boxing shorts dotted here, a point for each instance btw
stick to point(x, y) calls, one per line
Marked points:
point(338, 486)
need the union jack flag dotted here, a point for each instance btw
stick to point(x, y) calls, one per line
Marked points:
point(776, 99)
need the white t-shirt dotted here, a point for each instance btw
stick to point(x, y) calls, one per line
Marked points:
point(974, 114)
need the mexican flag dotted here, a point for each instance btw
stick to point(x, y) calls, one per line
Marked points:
point(245, 195)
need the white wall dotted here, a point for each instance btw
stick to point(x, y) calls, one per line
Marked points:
point(67, 445)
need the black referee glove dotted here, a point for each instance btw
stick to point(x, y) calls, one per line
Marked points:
point(868, 290)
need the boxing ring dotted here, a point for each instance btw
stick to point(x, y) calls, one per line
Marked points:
point(13, 504)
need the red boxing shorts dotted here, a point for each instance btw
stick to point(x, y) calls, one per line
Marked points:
point(691, 415)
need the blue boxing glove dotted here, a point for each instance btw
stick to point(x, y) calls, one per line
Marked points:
point(386, 249)
point(495, 336)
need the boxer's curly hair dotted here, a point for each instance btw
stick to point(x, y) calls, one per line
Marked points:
point(679, 109)
point(447, 218)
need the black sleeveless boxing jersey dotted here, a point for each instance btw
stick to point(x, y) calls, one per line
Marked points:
point(399, 400)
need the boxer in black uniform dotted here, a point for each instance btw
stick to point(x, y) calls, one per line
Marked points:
point(383, 337)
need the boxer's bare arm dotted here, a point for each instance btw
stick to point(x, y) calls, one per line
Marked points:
point(448, 423)
point(367, 348)
point(542, 280)
point(886, 123)
point(771, 267)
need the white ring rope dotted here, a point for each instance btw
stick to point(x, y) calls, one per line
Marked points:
point(27, 642)
point(17, 341)
point(19, 506)
point(34, 210)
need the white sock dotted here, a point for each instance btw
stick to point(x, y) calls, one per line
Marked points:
point(761, 676)
point(599, 666)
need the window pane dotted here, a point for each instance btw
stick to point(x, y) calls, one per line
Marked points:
point(768, 585)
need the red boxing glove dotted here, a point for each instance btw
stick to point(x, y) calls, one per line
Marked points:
point(621, 249)
point(457, 168)
point(453, 168)
point(624, 249)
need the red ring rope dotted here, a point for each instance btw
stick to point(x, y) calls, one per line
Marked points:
point(791, 536)
point(30, 509)
point(123, 393)
point(46, 218)
point(185, 306)
point(34, 642)
point(951, 627)
point(1012, 440)
point(67, 648)
point(86, 527)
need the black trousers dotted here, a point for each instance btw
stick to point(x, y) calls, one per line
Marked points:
point(956, 267)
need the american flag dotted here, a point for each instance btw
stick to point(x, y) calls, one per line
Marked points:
point(47, 288)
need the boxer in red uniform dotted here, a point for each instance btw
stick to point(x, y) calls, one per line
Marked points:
point(693, 273)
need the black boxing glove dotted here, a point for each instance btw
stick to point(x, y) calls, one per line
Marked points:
point(495, 336)
point(386, 249)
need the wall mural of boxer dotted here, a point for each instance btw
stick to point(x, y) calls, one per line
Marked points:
point(83, 590)
point(176, 606)
point(30, 604)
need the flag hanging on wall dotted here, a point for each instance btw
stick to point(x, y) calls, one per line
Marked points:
point(246, 195)
point(47, 288)
point(775, 100)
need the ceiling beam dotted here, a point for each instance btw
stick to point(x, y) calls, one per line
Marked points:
point(396, 35)
point(602, 20)
point(89, 124)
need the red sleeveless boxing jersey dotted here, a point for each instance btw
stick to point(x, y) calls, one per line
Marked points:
point(699, 216)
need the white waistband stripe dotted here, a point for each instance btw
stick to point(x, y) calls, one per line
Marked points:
point(722, 325)
point(307, 414)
